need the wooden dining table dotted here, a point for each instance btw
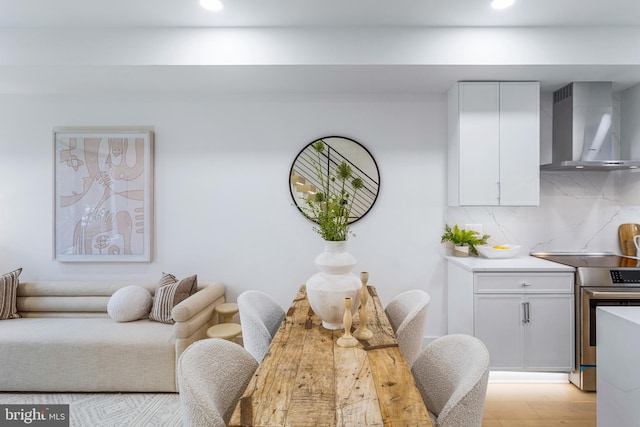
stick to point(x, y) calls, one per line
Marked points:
point(306, 379)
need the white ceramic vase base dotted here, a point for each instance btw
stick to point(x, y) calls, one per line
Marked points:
point(327, 289)
point(332, 326)
point(326, 295)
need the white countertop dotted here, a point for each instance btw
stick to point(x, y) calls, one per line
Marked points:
point(519, 263)
point(618, 373)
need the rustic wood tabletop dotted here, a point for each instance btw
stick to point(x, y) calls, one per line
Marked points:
point(306, 379)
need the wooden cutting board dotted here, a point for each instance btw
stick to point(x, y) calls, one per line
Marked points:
point(626, 233)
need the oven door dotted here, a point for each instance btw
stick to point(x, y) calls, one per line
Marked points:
point(600, 297)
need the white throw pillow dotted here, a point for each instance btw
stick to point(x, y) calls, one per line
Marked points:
point(129, 303)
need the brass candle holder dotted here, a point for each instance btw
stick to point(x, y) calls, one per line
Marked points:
point(362, 333)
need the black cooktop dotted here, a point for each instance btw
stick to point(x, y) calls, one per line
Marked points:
point(591, 260)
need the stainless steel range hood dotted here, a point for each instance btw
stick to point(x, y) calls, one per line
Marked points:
point(582, 137)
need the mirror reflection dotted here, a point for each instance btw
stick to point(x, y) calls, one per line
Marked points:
point(304, 182)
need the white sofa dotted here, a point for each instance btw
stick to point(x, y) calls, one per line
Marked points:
point(66, 341)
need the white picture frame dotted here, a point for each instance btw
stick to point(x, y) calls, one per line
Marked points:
point(103, 194)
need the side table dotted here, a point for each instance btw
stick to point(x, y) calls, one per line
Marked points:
point(227, 330)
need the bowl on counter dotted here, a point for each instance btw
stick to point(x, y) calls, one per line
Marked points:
point(498, 251)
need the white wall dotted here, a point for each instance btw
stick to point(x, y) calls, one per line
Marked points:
point(222, 204)
point(223, 208)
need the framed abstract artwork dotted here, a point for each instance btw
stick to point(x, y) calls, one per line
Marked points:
point(103, 194)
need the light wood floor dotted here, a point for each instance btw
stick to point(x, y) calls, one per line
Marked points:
point(539, 405)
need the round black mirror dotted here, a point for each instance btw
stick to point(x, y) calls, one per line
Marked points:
point(313, 169)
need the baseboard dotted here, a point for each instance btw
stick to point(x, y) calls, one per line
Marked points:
point(503, 377)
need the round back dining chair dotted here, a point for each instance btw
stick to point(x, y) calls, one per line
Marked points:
point(407, 313)
point(260, 318)
point(212, 375)
point(452, 373)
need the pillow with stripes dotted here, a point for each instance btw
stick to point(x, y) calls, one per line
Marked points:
point(8, 293)
point(169, 294)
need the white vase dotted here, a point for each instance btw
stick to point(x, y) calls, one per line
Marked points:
point(327, 289)
point(461, 251)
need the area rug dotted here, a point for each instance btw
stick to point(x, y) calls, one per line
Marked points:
point(109, 409)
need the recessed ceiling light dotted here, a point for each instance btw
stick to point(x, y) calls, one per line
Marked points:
point(212, 5)
point(502, 4)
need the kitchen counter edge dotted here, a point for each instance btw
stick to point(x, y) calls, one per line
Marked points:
point(520, 263)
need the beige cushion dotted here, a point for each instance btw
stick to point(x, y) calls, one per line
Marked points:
point(87, 355)
point(75, 298)
point(44, 304)
point(170, 295)
point(8, 292)
point(64, 288)
point(129, 303)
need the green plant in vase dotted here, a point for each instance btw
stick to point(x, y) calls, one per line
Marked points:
point(330, 207)
point(463, 238)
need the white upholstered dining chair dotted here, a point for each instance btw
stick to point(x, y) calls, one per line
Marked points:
point(407, 312)
point(260, 318)
point(452, 374)
point(212, 375)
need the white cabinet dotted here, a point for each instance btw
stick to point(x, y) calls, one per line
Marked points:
point(494, 144)
point(526, 332)
point(526, 319)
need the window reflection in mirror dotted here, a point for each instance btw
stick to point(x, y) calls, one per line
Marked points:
point(304, 181)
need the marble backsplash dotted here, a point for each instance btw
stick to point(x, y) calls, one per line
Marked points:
point(578, 211)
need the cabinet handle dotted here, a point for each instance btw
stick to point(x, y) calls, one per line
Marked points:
point(524, 312)
point(525, 283)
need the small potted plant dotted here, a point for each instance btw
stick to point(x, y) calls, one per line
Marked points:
point(464, 241)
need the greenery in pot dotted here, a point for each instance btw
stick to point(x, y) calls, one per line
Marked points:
point(331, 206)
point(462, 237)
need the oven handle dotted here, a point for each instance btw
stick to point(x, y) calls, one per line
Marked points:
point(612, 295)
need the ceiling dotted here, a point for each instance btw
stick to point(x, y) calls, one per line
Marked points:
point(84, 14)
point(126, 13)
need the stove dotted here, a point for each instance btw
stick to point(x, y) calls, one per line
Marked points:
point(601, 279)
point(599, 260)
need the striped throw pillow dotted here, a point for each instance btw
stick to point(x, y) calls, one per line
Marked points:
point(8, 292)
point(167, 279)
point(169, 295)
